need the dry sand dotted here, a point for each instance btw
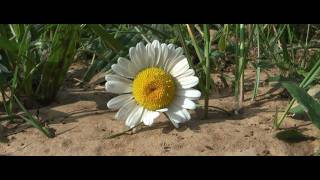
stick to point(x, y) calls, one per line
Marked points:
point(82, 121)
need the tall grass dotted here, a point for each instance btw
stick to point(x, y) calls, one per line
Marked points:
point(38, 57)
point(204, 70)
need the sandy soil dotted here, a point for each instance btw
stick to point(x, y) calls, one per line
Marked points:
point(82, 122)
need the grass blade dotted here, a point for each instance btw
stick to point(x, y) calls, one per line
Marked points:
point(8, 45)
point(207, 69)
point(31, 120)
point(306, 82)
point(258, 68)
point(185, 48)
point(62, 55)
point(106, 37)
point(310, 105)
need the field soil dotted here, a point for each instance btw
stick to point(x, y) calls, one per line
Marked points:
point(82, 122)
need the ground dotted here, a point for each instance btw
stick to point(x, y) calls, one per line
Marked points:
point(82, 123)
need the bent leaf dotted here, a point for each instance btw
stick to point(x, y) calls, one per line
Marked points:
point(310, 105)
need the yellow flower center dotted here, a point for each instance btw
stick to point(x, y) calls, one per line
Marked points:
point(153, 88)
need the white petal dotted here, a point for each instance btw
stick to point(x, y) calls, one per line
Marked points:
point(123, 62)
point(138, 57)
point(125, 110)
point(162, 110)
point(123, 71)
point(178, 115)
point(171, 47)
point(179, 51)
point(174, 56)
point(173, 61)
point(164, 55)
point(176, 124)
point(189, 72)
point(187, 82)
point(184, 102)
point(141, 53)
point(135, 116)
point(181, 67)
point(170, 57)
point(133, 57)
point(151, 54)
point(149, 117)
point(119, 101)
point(191, 93)
point(118, 87)
point(181, 114)
point(157, 52)
point(128, 65)
point(114, 77)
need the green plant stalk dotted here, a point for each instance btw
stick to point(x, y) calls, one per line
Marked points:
point(290, 35)
point(201, 59)
point(306, 82)
point(257, 80)
point(195, 45)
point(207, 70)
point(223, 39)
point(10, 117)
point(236, 81)
point(240, 70)
point(303, 63)
point(184, 46)
point(284, 50)
point(13, 88)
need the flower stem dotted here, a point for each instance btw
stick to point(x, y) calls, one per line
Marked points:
point(123, 132)
point(9, 117)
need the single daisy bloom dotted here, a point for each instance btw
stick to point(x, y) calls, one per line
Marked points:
point(157, 80)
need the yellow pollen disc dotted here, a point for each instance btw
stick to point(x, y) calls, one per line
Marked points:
point(153, 88)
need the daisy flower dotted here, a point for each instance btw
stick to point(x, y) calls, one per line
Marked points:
point(156, 80)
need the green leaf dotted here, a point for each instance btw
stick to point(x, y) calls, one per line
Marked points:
point(222, 44)
point(8, 45)
point(106, 37)
point(310, 105)
point(55, 68)
point(297, 109)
